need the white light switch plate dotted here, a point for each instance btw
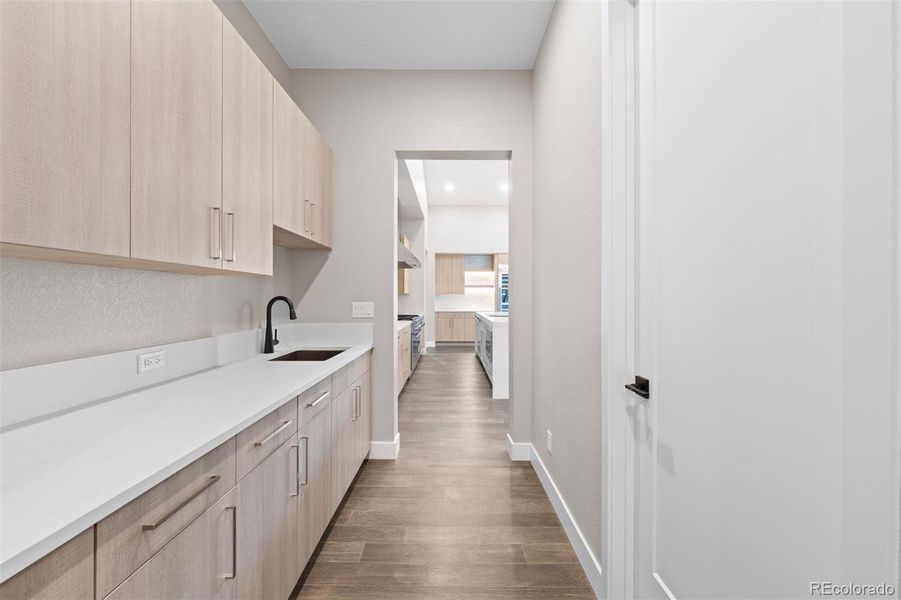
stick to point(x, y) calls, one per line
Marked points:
point(151, 361)
point(363, 310)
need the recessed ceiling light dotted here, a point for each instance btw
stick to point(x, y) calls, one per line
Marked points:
point(505, 187)
point(449, 187)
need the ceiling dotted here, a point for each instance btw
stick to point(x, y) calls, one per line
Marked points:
point(404, 34)
point(476, 182)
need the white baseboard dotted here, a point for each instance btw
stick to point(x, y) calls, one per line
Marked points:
point(385, 450)
point(430, 344)
point(518, 450)
point(587, 559)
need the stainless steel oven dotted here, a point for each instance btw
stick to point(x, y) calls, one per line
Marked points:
point(416, 327)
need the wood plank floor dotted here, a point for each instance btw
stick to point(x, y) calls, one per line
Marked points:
point(453, 517)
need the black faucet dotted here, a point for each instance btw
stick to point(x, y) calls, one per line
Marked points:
point(269, 346)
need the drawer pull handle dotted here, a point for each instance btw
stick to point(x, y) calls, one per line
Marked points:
point(296, 472)
point(306, 462)
point(266, 439)
point(234, 572)
point(321, 397)
point(209, 483)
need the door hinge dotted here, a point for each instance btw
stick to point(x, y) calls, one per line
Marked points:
point(642, 387)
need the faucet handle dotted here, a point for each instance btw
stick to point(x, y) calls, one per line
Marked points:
point(275, 338)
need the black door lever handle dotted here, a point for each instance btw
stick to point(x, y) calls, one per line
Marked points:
point(642, 387)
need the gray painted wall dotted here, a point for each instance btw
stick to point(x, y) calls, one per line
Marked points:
point(566, 226)
point(367, 116)
point(57, 311)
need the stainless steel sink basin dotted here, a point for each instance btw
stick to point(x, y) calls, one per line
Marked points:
point(309, 355)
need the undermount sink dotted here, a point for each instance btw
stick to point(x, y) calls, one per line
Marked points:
point(309, 355)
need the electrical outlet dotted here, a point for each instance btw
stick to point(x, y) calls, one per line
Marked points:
point(550, 442)
point(363, 310)
point(151, 361)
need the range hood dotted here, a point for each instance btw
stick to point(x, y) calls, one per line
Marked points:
point(406, 259)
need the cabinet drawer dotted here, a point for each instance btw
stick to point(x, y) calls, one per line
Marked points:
point(314, 400)
point(130, 536)
point(345, 376)
point(262, 438)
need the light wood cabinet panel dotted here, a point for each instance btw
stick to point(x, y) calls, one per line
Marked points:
point(198, 563)
point(466, 325)
point(449, 274)
point(261, 439)
point(364, 418)
point(290, 140)
point(316, 482)
point(455, 327)
point(268, 532)
point(444, 327)
point(247, 176)
point(326, 198)
point(314, 400)
point(67, 573)
point(176, 132)
point(64, 114)
point(124, 544)
point(342, 445)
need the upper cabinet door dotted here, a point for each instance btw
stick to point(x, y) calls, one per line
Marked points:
point(64, 112)
point(247, 177)
point(290, 146)
point(325, 221)
point(176, 137)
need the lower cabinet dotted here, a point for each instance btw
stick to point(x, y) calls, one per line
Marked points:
point(202, 534)
point(200, 562)
point(315, 439)
point(268, 530)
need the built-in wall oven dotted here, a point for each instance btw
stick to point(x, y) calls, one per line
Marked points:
point(416, 327)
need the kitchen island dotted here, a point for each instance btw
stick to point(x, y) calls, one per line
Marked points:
point(493, 349)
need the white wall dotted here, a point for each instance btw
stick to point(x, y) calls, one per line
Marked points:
point(566, 351)
point(367, 116)
point(468, 229)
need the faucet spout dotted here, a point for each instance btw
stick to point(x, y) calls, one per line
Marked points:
point(269, 344)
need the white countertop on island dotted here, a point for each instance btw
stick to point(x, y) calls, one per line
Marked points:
point(62, 474)
point(494, 317)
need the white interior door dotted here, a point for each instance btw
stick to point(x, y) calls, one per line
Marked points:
point(766, 298)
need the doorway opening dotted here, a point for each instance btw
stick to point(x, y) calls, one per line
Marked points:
point(453, 276)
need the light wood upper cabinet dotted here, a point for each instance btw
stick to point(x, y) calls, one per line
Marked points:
point(247, 175)
point(176, 132)
point(64, 114)
point(290, 134)
point(67, 573)
point(449, 274)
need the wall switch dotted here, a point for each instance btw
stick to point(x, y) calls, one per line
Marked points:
point(550, 442)
point(151, 361)
point(363, 310)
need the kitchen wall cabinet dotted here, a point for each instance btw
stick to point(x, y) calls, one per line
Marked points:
point(67, 573)
point(200, 562)
point(176, 132)
point(65, 123)
point(267, 525)
point(247, 149)
point(454, 327)
point(315, 439)
point(449, 274)
point(302, 178)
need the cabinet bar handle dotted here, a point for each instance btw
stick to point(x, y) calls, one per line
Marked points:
point(231, 217)
point(313, 219)
point(266, 439)
point(209, 482)
point(307, 220)
point(296, 472)
point(216, 233)
point(234, 572)
point(321, 397)
point(306, 461)
point(353, 403)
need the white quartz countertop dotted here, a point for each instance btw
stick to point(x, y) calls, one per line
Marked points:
point(401, 325)
point(493, 317)
point(60, 475)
